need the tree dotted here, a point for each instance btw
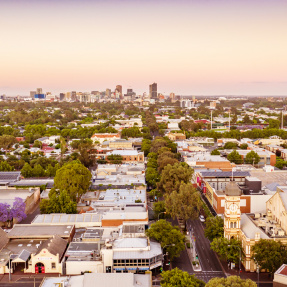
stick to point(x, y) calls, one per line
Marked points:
point(27, 170)
point(4, 166)
point(73, 177)
point(7, 141)
point(17, 211)
point(214, 228)
point(166, 158)
point(159, 207)
point(235, 157)
point(246, 120)
point(230, 145)
point(273, 124)
point(215, 152)
point(166, 234)
point(146, 144)
point(234, 119)
point(179, 278)
point(244, 146)
point(230, 281)
point(269, 254)
point(226, 248)
point(173, 176)
point(115, 159)
point(184, 204)
point(38, 171)
point(151, 176)
point(38, 144)
point(58, 202)
point(252, 157)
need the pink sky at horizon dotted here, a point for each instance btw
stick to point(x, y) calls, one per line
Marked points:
point(199, 47)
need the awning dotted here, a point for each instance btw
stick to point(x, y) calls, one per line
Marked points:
point(22, 257)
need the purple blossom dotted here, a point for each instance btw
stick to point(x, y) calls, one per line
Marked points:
point(7, 213)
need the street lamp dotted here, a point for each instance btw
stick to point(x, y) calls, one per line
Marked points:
point(160, 214)
point(239, 257)
point(258, 271)
point(9, 266)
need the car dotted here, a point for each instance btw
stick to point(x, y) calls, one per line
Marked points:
point(201, 218)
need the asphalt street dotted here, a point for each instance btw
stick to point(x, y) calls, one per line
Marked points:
point(207, 258)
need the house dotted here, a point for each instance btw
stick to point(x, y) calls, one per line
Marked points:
point(101, 137)
point(176, 136)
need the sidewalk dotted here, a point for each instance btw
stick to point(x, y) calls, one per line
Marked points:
point(19, 276)
point(263, 277)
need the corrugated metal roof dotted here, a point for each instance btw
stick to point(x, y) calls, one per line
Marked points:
point(225, 173)
point(249, 228)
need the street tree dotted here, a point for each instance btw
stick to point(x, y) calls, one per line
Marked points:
point(159, 207)
point(252, 157)
point(166, 158)
point(58, 202)
point(169, 237)
point(184, 204)
point(73, 177)
point(179, 278)
point(235, 157)
point(269, 254)
point(213, 227)
point(230, 145)
point(173, 176)
point(244, 146)
point(115, 159)
point(227, 249)
point(215, 152)
point(151, 176)
point(230, 281)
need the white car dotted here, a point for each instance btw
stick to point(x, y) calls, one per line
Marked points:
point(201, 218)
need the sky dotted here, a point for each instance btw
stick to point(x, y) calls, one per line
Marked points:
point(189, 47)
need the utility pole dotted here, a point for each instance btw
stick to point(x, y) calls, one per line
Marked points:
point(229, 119)
point(282, 121)
point(211, 120)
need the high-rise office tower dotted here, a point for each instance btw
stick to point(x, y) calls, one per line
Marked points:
point(119, 88)
point(172, 97)
point(32, 94)
point(153, 91)
point(62, 96)
point(73, 96)
point(39, 91)
point(108, 93)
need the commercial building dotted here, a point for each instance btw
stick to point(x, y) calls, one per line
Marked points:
point(153, 91)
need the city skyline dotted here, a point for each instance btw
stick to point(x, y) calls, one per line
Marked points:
point(187, 47)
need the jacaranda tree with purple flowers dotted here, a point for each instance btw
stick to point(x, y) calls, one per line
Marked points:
point(17, 211)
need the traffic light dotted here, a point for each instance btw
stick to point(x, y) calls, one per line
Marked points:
point(160, 269)
point(196, 256)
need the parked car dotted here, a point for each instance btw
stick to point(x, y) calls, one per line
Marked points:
point(201, 218)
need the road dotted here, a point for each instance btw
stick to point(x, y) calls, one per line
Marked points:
point(207, 257)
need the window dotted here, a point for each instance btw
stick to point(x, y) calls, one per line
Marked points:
point(53, 265)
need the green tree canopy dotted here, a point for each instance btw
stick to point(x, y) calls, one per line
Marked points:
point(7, 141)
point(184, 204)
point(151, 176)
point(213, 227)
point(227, 249)
point(73, 177)
point(166, 158)
point(230, 281)
point(235, 157)
point(244, 146)
point(58, 202)
point(179, 278)
point(269, 254)
point(166, 234)
point(115, 159)
point(230, 145)
point(215, 152)
point(252, 157)
point(173, 176)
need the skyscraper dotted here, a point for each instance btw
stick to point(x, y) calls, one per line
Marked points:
point(153, 91)
point(108, 93)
